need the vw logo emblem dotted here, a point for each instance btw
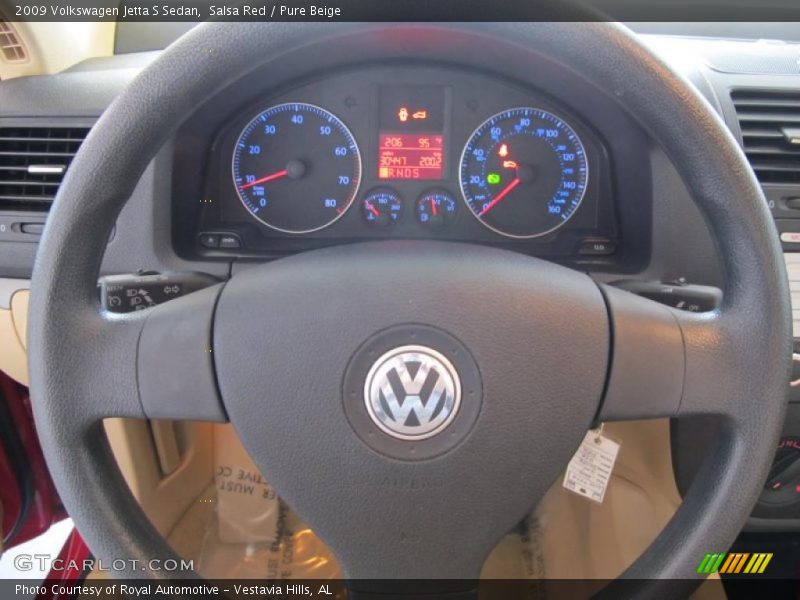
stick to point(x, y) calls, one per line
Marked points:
point(412, 392)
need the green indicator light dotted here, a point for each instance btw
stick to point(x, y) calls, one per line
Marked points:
point(493, 178)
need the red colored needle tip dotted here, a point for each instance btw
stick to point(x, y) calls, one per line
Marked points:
point(277, 175)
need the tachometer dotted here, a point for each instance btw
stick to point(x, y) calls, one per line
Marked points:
point(296, 167)
point(523, 172)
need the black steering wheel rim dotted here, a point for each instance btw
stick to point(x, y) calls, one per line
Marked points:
point(744, 348)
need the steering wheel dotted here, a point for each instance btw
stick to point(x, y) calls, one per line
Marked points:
point(529, 354)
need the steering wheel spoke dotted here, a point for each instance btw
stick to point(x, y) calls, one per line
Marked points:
point(155, 363)
point(667, 362)
point(102, 348)
point(175, 363)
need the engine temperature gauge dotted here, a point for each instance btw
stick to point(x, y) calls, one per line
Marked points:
point(436, 208)
point(382, 207)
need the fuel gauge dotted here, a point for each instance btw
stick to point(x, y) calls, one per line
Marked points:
point(381, 207)
point(436, 208)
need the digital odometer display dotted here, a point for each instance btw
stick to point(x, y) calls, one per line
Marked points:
point(410, 156)
point(411, 136)
point(523, 172)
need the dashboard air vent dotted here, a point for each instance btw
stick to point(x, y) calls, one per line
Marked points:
point(33, 161)
point(11, 47)
point(770, 124)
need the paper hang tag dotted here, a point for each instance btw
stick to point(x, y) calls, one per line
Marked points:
point(589, 471)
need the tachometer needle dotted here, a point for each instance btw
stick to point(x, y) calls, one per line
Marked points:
point(502, 194)
point(277, 175)
point(434, 210)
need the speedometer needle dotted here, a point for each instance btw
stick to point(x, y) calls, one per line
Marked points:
point(506, 190)
point(277, 175)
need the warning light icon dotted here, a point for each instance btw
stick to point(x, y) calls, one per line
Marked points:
point(503, 152)
point(418, 115)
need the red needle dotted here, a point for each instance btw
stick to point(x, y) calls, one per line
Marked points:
point(434, 210)
point(277, 175)
point(372, 209)
point(500, 196)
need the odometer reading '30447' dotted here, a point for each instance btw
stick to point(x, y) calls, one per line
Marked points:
point(296, 167)
point(523, 172)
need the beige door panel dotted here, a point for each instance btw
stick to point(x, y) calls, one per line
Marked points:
point(164, 496)
point(19, 314)
point(13, 329)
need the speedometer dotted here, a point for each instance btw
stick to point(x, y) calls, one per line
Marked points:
point(523, 172)
point(296, 167)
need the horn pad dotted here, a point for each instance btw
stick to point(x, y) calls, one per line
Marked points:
point(412, 392)
point(528, 344)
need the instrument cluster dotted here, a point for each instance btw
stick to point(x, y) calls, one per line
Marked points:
point(407, 152)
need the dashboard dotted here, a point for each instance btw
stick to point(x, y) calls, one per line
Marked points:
point(398, 152)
